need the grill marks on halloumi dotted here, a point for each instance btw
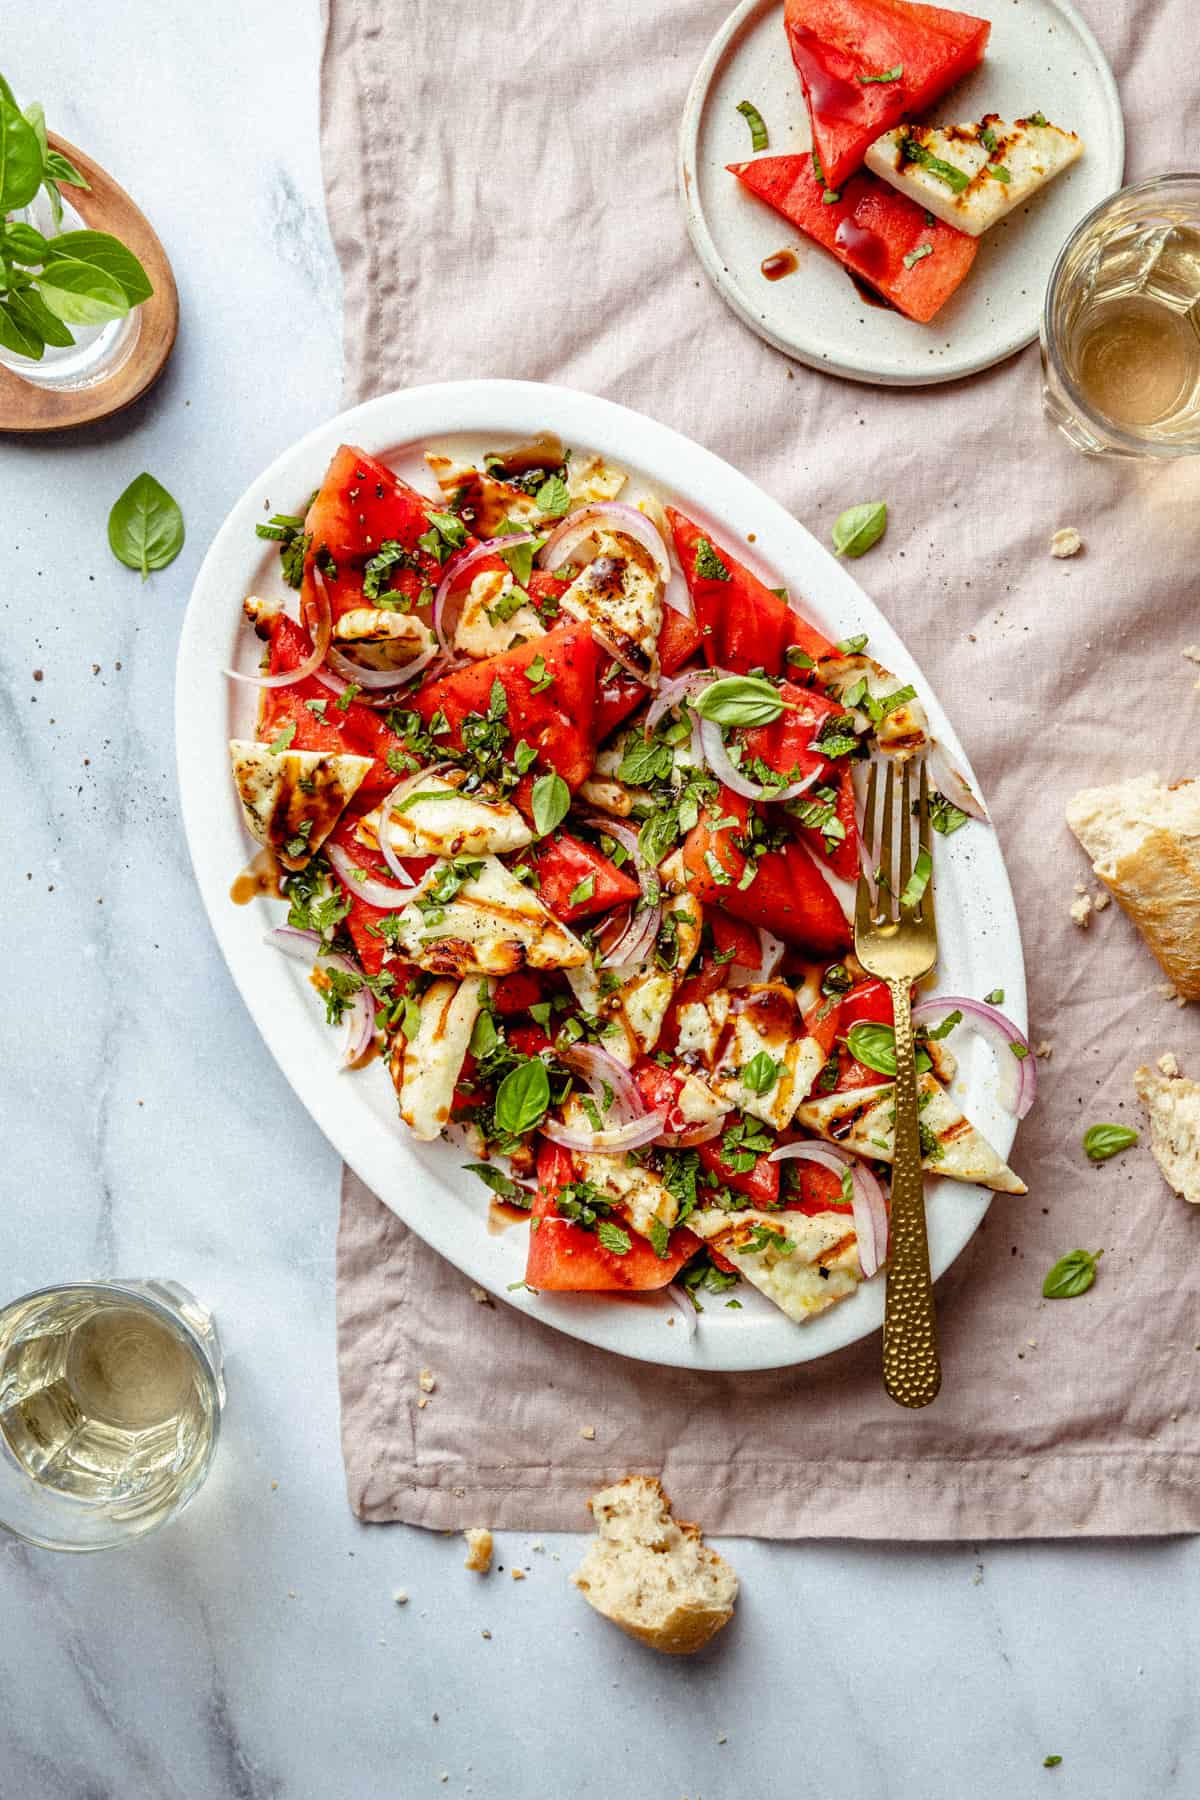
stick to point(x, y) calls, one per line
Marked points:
point(725, 1032)
point(494, 925)
point(1028, 155)
point(804, 1262)
point(619, 595)
point(903, 731)
point(862, 1120)
point(481, 629)
point(635, 1009)
point(429, 816)
point(426, 1068)
point(292, 799)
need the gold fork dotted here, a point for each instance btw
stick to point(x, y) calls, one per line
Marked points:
point(895, 938)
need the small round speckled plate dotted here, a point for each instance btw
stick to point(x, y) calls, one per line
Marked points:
point(1040, 55)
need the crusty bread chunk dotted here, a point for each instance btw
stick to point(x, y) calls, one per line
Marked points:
point(479, 1549)
point(652, 1574)
point(1173, 1103)
point(1143, 837)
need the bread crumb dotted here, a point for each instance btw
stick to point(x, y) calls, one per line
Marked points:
point(722, 1738)
point(1103, 899)
point(1045, 1050)
point(485, 1633)
point(481, 1297)
point(1081, 887)
point(401, 1596)
point(274, 1487)
point(1165, 991)
point(538, 1546)
point(1168, 1063)
point(1192, 652)
point(479, 1549)
point(588, 1432)
point(518, 1574)
point(1081, 910)
point(426, 1382)
point(422, 1403)
point(1066, 542)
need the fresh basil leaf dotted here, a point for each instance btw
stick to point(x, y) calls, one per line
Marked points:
point(998, 172)
point(888, 75)
point(499, 1183)
point(995, 998)
point(553, 498)
point(875, 1047)
point(938, 1032)
point(741, 700)
point(519, 558)
point(524, 757)
point(955, 179)
point(145, 526)
point(915, 256)
point(1072, 1275)
point(852, 646)
point(582, 891)
point(613, 1237)
point(20, 243)
point(551, 802)
point(918, 881)
point(761, 1073)
point(754, 119)
point(1036, 118)
point(18, 333)
point(943, 815)
point(20, 159)
point(283, 741)
point(1102, 1141)
point(859, 527)
point(707, 562)
point(484, 1036)
point(657, 836)
point(522, 1098)
point(78, 293)
point(60, 168)
point(101, 251)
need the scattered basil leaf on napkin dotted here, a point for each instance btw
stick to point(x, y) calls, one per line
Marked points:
point(1072, 1275)
point(145, 526)
point(859, 527)
point(1102, 1141)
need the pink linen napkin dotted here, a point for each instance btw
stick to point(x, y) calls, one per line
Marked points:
point(501, 191)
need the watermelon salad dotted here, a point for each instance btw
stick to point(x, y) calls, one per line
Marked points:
point(899, 202)
point(561, 798)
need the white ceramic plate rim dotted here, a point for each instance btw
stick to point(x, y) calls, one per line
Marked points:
point(418, 1182)
point(860, 369)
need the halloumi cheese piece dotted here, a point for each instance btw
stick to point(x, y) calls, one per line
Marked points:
point(483, 500)
point(637, 1005)
point(400, 631)
point(492, 925)
point(426, 1067)
point(429, 816)
point(619, 595)
point(488, 624)
point(611, 797)
point(262, 613)
point(804, 1262)
point(637, 1192)
point(1004, 164)
point(862, 1120)
point(292, 799)
point(593, 480)
point(764, 1022)
point(903, 731)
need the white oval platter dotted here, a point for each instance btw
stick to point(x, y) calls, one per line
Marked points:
point(425, 1183)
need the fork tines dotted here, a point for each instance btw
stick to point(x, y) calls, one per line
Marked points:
point(890, 884)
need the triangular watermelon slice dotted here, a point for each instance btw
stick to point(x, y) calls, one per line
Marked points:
point(867, 64)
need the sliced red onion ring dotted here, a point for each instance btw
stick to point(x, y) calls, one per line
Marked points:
point(366, 886)
point(682, 1305)
point(360, 1014)
point(772, 953)
point(1018, 1074)
point(673, 693)
point(633, 1136)
point(637, 940)
point(598, 1067)
point(627, 837)
point(719, 761)
point(695, 1134)
point(624, 519)
point(312, 662)
point(454, 571)
point(677, 595)
point(870, 1207)
point(375, 679)
point(951, 785)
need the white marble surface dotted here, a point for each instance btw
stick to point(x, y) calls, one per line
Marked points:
point(254, 1650)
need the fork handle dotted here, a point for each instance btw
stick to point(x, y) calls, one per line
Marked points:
point(912, 1370)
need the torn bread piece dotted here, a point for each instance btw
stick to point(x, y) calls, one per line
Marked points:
point(972, 175)
point(862, 1120)
point(479, 1549)
point(1143, 836)
point(804, 1262)
point(652, 1574)
point(1173, 1103)
point(292, 799)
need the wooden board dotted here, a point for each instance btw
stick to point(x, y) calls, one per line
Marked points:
point(25, 406)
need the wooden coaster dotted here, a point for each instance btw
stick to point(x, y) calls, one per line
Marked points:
point(25, 406)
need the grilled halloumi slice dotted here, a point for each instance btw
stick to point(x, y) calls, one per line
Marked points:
point(593, 480)
point(764, 1021)
point(486, 625)
point(494, 925)
point(611, 797)
point(903, 732)
point(379, 625)
point(635, 1008)
point(641, 1196)
point(262, 613)
point(483, 500)
point(619, 595)
point(988, 168)
point(429, 816)
point(292, 799)
point(426, 1067)
point(862, 1120)
point(804, 1262)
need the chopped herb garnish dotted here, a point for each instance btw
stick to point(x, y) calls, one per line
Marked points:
point(754, 119)
point(538, 676)
point(913, 152)
point(915, 256)
point(613, 1237)
point(707, 562)
point(582, 891)
point(888, 75)
point(284, 741)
